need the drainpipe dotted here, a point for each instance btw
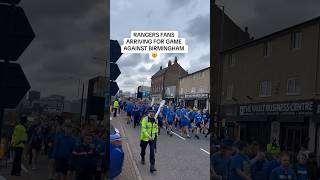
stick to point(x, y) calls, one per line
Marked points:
point(317, 63)
point(316, 84)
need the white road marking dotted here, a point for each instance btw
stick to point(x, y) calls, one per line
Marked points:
point(178, 135)
point(204, 151)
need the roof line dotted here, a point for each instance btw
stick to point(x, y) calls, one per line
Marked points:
point(253, 42)
point(195, 72)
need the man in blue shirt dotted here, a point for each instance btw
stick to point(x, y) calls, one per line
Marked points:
point(171, 115)
point(177, 120)
point(198, 119)
point(300, 168)
point(129, 108)
point(160, 120)
point(135, 114)
point(220, 162)
point(184, 121)
point(240, 166)
point(284, 171)
point(62, 152)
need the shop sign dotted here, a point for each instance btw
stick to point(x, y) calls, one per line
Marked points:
point(290, 108)
point(195, 96)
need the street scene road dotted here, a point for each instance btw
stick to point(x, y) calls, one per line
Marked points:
point(176, 157)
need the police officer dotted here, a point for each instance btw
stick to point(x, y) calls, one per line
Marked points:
point(19, 139)
point(115, 107)
point(149, 131)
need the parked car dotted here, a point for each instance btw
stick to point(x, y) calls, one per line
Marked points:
point(116, 152)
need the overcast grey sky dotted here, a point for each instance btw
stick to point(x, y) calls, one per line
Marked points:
point(266, 16)
point(69, 33)
point(189, 17)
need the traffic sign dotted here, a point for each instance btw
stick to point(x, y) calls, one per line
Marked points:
point(114, 88)
point(13, 86)
point(15, 33)
point(115, 51)
point(114, 71)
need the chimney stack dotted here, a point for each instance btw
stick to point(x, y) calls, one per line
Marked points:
point(176, 60)
point(246, 29)
point(160, 67)
point(169, 63)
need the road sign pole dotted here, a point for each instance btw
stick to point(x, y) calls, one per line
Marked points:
point(2, 94)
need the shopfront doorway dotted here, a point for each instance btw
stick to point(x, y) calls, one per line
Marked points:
point(256, 132)
point(202, 104)
point(292, 137)
point(189, 103)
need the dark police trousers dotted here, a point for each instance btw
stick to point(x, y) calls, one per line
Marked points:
point(115, 112)
point(143, 145)
point(16, 166)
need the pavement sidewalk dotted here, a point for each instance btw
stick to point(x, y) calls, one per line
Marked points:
point(41, 173)
point(129, 171)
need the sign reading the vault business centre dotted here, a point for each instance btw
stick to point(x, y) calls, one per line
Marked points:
point(290, 108)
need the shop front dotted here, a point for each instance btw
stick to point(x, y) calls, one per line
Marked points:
point(200, 101)
point(156, 97)
point(291, 123)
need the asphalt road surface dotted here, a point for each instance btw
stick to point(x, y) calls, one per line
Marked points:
point(177, 158)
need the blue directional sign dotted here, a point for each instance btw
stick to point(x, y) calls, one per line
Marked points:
point(114, 88)
point(115, 51)
point(15, 33)
point(114, 71)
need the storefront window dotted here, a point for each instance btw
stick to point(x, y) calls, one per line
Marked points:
point(202, 104)
point(189, 103)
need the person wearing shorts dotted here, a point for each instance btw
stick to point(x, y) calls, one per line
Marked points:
point(185, 121)
point(35, 146)
point(62, 153)
point(171, 115)
point(199, 123)
point(129, 108)
point(160, 120)
point(177, 119)
point(136, 115)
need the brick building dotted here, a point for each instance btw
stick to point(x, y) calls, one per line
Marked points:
point(165, 82)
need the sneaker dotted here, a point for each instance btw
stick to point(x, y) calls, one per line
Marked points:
point(196, 136)
point(171, 134)
point(188, 136)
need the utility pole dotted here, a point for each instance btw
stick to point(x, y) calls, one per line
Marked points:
point(81, 105)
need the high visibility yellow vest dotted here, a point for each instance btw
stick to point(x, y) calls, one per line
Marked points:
point(272, 149)
point(148, 129)
point(116, 104)
point(20, 136)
